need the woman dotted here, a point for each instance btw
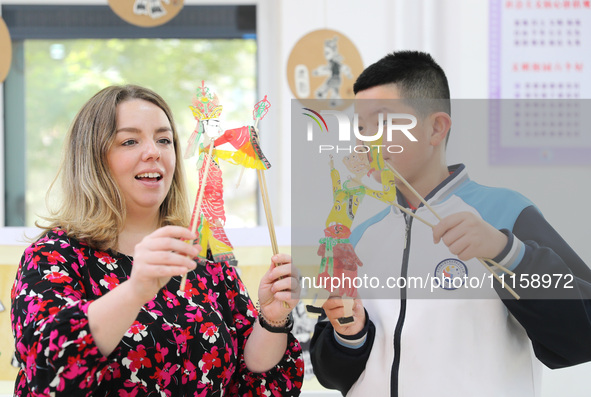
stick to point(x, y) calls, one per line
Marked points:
point(97, 309)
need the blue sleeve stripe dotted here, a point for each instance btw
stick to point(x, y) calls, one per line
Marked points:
point(498, 206)
point(516, 259)
point(351, 344)
point(514, 255)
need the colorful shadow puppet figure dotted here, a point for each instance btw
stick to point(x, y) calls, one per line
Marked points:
point(338, 255)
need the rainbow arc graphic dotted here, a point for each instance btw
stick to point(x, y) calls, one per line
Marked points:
point(317, 118)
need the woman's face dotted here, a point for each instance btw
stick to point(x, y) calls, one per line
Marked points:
point(142, 157)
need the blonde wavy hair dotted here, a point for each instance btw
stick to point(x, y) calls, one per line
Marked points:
point(92, 208)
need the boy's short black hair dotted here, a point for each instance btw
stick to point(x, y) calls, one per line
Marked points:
point(416, 75)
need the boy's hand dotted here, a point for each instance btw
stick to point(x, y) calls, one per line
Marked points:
point(334, 309)
point(468, 236)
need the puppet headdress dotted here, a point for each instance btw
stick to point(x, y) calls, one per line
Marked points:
point(206, 104)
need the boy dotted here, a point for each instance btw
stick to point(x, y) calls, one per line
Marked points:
point(450, 347)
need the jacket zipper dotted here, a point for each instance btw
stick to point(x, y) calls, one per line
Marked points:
point(402, 314)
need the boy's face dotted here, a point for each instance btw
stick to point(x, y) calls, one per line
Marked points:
point(408, 157)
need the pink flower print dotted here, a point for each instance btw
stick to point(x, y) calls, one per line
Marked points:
point(202, 282)
point(231, 295)
point(211, 298)
point(189, 372)
point(227, 374)
point(140, 387)
point(161, 353)
point(70, 293)
point(181, 339)
point(54, 257)
point(210, 360)
point(36, 305)
point(96, 290)
point(227, 353)
point(56, 276)
point(32, 249)
point(53, 335)
point(133, 393)
point(209, 331)
point(112, 371)
point(299, 367)
point(240, 321)
point(190, 291)
point(22, 383)
point(171, 300)
point(241, 287)
point(289, 376)
point(77, 323)
point(75, 367)
point(30, 358)
point(216, 272)
point(81, 253)
point(164, 375)
point(251, 310)
point(261, 390)
point(150, 309)
point(136, 389)
point(33, 260)
point(274, 389)
point(55, 344)
point(18, 328)
point(88, 380)
point(107, 260)
point(86, 345)
point(81, 260)
point(137, 331)
point(231, 274)
point(109, 281)
point(196, 317)
point(235, 346)
point(17, 287)
point(34, 263)
point(137, 359)
point(206, 390)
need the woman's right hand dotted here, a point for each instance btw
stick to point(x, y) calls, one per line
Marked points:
point(160, 255)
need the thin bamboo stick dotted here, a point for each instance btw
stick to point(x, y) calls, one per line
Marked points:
point(269, 216)
point(267, 208)
point(197, 208)
point(422, 200)
point(414, 215)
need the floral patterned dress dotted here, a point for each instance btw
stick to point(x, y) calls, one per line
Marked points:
point(187, 343)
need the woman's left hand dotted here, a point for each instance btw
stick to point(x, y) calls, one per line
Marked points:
point(279, 284)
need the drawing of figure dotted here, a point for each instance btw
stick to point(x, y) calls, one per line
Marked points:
point(338, 257)
point(335, 69)
point(152, 8)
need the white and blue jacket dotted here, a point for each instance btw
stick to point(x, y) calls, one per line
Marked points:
point(467, 338)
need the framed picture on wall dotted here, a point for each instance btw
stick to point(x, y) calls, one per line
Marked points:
point(540, 108)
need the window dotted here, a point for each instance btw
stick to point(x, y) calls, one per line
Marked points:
point(62, 55)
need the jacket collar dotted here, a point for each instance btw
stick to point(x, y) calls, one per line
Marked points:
point(458, 176)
